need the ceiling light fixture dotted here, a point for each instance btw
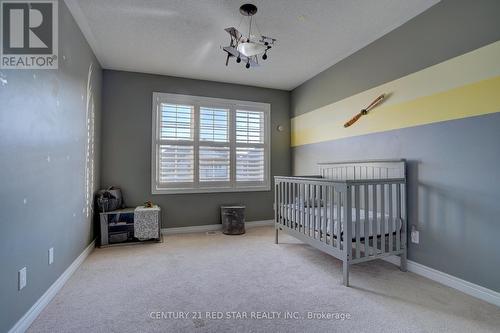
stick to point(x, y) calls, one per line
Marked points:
point(248, 48)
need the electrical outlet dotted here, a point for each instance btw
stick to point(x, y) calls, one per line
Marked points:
point(415, 235)
point(22, 278)
point(51, 256)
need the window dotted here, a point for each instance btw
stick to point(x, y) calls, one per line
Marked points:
point(205, 144)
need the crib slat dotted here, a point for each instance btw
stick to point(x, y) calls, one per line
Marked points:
point(311, 210)
point(320, 212)
point(275, 203)
point(280, 196)
point(319, 221)
point(338, 232)
point(317, 213)
point(373, 220)
point(283, 203)
point(288, 212)
point(280, 202)
point(325, 217)
point(391, 219)
point(290, 205)
point(398, 216)
point(347, 226)
point(294, 206)
point(358, 222)
point(330, 220)
point(366, 206)
point(308, 204)
point(305, 219)
point(308, 209)
point(299, 207)
point(404, 216)
point(304, 208)
point(293, 210)
point(285, 193)
point(382, 217)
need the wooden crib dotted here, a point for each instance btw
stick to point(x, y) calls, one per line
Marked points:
point(354, 211)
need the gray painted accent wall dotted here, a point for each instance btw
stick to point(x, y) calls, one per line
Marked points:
point(453, 198)
point(126, 145)
point(42, 163)
point(453, 166)
point(448, 29)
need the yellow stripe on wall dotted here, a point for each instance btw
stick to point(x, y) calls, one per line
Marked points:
point(471, 85)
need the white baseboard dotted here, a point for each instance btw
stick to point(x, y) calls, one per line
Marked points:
point(24, 323)
point(211, 227)
point(466, 287)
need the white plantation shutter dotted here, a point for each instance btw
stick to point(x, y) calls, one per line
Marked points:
point(175, 146)
point(250, 148)
point(250, 164)
point(176, 122)
point(176, 164)
point(214, 164)
point(214, 124)
point(214, 151)
point(204, 144)
point(249, 126)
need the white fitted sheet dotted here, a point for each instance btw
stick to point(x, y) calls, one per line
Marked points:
point(374, 225)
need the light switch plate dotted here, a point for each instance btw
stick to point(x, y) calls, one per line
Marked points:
point(51, 255)
point(22, 278)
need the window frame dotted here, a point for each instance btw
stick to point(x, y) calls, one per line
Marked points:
point(213, 186)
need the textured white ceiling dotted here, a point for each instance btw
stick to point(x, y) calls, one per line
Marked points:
point(183, 37)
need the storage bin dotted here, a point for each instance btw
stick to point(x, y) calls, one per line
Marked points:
point(233, 220)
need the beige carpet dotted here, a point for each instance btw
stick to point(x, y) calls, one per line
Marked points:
point(120, 289)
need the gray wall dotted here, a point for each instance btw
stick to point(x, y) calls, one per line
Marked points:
point(448, 29)
point(126, 145)
point(33, 127)
point(453, 166)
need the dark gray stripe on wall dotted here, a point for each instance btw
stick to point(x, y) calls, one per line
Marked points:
point(448, 29)
point(454, 189)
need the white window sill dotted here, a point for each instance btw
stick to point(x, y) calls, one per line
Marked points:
point(210, 190)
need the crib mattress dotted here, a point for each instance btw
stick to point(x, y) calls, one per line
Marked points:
point(374, 225)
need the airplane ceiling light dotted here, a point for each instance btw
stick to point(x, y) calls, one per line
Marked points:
point(247, 49)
